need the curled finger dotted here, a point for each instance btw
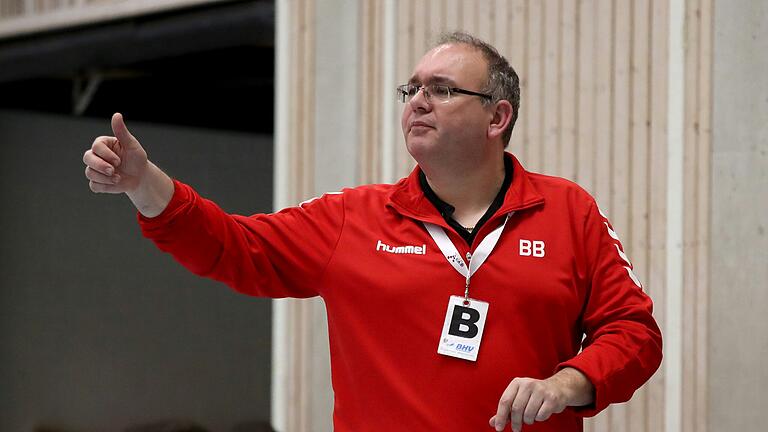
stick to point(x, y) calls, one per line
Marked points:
point(98, 177)
point(546, 410)
point(503, 409)
point(532, 408)
point(518, 408)
point(102, 188)
point(103, 147)
point(98, 164)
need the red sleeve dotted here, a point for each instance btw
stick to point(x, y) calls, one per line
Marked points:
point(276, 255)
point(622, 347)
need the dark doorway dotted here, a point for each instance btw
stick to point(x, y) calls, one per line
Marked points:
point(101, 331)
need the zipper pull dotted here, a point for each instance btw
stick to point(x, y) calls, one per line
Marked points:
point(469, 257)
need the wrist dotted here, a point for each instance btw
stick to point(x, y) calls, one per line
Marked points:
point(578, 390)
point(153, 191)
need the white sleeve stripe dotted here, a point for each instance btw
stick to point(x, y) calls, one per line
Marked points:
point(633, 277)
point(611, 232)
point(312, 199)
point(623, 255)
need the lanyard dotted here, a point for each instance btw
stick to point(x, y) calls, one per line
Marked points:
point(475, 260)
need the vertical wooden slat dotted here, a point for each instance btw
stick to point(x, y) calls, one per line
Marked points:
point(294, 324)
point(501, 27)
point(301, 143)
point(620, 162)
point(657, 173)
point(377, 29)
point(484, 20)
point(431, 19)
point(602, 150)
point(444, 11)
point(405, 64)
point(696, 183)
point(419, 43)
point(586, 94)
point(296, 92)
point(534, 73)
point(603, 105)
point(549, 155)
point(518, 59)
point(308, 88)
point(404, 67)
point(452, 15)
point(702, 208)
point(689, 221)
point(436, 17)
point(302, 189)
point(378, 32)
point(638, 192)
point(568, 78)
point(469, 15)
point(369, 161)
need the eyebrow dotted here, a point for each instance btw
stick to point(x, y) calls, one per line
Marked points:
point(434, 79)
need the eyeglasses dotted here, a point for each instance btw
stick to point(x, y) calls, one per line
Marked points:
point(433, 93)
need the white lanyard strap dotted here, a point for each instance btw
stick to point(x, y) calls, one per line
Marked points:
point(477, 259)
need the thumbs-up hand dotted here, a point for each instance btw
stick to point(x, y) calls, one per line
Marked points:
point(115, 164)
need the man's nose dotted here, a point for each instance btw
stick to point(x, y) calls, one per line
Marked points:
point(420, 101)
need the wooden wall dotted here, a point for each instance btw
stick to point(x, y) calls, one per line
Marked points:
point(599, 94)
point(594, 81)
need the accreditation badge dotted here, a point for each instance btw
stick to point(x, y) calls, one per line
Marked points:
point(463, 328)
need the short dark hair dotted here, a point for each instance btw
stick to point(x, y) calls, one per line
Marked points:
point(503, 82)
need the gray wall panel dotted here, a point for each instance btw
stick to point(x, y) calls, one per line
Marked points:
point(739, 245)
point(98, 329)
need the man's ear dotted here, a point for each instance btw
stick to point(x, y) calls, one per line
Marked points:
point(502, 116)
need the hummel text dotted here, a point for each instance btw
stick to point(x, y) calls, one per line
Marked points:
point(415, 250)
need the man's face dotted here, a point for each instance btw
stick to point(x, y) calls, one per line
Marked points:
point(450, 130)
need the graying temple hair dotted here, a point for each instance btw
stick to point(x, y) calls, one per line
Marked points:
point(503, 82)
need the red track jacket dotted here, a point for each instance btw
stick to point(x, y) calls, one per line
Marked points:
point(386, 306)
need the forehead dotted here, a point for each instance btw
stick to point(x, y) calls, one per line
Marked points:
point(453, 63)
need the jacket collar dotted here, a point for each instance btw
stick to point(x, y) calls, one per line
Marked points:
point(408, 199)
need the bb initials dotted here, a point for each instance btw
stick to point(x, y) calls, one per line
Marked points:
point(533, 248)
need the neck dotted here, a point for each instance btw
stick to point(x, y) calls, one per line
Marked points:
point(470, 190)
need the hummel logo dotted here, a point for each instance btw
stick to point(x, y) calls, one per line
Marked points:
point(415, 250)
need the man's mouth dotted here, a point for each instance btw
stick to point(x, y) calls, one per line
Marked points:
point(420, 124)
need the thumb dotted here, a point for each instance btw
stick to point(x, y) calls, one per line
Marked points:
point(121, 131)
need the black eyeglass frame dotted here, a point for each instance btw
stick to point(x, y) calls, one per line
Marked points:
point(402, 92)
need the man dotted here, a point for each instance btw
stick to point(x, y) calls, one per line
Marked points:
point(526, 264)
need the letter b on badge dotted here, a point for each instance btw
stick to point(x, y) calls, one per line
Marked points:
point(464, 322)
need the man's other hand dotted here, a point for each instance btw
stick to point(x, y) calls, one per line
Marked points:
point(526, 400)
